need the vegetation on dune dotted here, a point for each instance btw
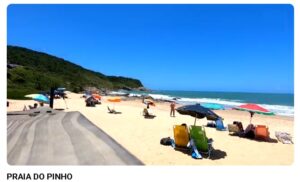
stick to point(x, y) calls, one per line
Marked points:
point(36, 71)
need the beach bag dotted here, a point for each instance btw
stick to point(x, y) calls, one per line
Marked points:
point(166, 141)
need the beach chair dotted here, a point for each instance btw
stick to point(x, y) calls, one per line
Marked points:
point(236, 128)
point(284, 137)
point(203, 144)
point(262, 132)
point(232, 128)
point(112, 111)
point(219, 125)
point(240, 125)
point(181, 136)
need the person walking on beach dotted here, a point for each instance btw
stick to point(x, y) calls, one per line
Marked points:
point(172, 113)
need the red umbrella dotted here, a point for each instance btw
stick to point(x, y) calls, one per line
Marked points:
point(96, 96)
point(253, 108)
point(150, 102)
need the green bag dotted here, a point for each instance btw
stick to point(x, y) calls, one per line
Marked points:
point(197, 133)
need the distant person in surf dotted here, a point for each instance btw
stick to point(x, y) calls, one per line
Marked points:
point(172, 106)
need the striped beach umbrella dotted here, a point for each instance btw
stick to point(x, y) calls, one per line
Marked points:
point(252, 109)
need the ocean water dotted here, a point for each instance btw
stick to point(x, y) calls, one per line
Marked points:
point(280, 104)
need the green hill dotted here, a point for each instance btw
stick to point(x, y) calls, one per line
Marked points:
point(31, 71)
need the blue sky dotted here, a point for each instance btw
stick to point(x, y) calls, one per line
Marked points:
point(247, 48)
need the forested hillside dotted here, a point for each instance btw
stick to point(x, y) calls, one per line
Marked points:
point(31, 71)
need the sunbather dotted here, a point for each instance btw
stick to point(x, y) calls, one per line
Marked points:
point(147, 113)
point(113, 111)
point(33, 107)
point(249, 131)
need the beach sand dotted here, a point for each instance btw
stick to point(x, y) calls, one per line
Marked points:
point(142, 136)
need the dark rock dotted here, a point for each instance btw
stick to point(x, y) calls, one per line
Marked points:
point(11, 66)
point(142, 89)
point(126, 88)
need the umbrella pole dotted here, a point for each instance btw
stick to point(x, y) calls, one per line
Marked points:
point(251, 115)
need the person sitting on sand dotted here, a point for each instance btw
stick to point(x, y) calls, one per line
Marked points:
point(249, 131)
point(33, 107)
point(147, 113)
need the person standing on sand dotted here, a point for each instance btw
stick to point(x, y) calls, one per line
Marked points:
point(172, 113)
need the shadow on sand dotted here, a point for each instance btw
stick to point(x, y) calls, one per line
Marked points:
point(216, 154)
point(269, 140)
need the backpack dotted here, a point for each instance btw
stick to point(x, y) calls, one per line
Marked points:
point(166, 141)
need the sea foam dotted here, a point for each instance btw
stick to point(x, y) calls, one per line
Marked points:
point(277, 109)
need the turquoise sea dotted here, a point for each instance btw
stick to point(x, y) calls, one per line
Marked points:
point(279, 103)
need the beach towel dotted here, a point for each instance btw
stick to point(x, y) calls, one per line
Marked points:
point(195, 152)
point(284, 137)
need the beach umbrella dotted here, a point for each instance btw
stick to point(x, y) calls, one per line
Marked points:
point(197, 111)
point(31, 95)
point(150, 102)
point(213, 106)
point(96, 96)
point(252, 109)
point(114, 100)
point(41, 98)
point(61, 89)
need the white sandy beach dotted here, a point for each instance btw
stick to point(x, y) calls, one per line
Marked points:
point(142, 136)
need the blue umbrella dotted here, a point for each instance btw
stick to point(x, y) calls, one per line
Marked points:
point(213, 106)
point(41, 98)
